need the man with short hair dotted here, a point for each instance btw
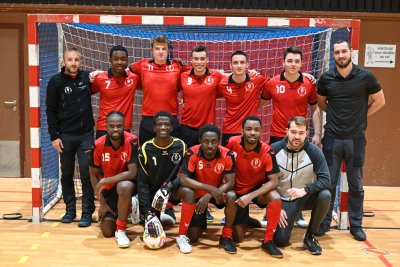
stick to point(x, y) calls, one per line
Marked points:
point(117, 89)
point(70, 121)
point(256, 180)
point(160, 84)
point(348, 93)
point(209, 169)
point(303, 183)
point(116, 154)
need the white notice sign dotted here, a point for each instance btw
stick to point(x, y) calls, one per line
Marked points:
point(380, 55)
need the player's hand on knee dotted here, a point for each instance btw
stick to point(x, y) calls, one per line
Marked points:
point(103, 210)
point(202, 204)
point(152, 225)
point(243, 201)
point(283, 219)
point(58, 145)
point(161, 197)
point(218, 195)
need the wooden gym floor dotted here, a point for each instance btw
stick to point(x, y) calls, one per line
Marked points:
point(51, 243)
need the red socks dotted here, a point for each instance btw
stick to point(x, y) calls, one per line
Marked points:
point(186, 217)
point(121, 225)
point(273, 213)
point(226, 232)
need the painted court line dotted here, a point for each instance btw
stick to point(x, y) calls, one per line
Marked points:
point(23, 259)
point(381, 257)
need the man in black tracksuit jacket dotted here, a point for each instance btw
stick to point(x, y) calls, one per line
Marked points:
point(70, 123)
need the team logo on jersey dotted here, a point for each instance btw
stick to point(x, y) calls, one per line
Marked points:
point(124, 156)
point(68, 90)
point(249, 86)
point(128, 81)
point(189, 82)
point(209, 80)
point(201, 165)
point(219, 168)
point(255, 163)
point(301, 91)
point(176, 157)
point(170, 68)
point(165, 153)
point(80, 83)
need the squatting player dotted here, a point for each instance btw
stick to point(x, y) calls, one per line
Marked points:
point(159, 161)
point(256, 180)
point(209, 169)
point(117, 89)
point(116, 154)
point(160, 85)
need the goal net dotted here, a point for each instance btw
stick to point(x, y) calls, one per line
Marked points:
point(264, 45)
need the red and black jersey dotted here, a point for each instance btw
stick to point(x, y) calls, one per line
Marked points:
point(112, 161)
point(211, 172)
point(160, 85)
point(252, 167)
point(242, 99)
point(199, 95)
point(115, 94)
point(288, 100)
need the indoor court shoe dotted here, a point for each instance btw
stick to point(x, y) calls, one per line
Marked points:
point(228, 244)
point(271, 249)
point(182, 242)
point(300, 221)
point(210, 218)
point(323, 228)
point(122, 239)
point(358, 233)
point(68, 217)
point(311, 244)
point(86, 220)
point(170, 212)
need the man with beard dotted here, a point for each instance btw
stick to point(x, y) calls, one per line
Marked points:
point(348, 93)
point(117, 89)
point(116, 154)
point(70, 121)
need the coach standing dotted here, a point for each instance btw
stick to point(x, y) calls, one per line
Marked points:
point(348, 93)
point(70, 121)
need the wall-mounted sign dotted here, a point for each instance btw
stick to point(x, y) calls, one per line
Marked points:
point(380, 55)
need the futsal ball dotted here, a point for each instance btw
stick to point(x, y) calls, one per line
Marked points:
point(155, 242)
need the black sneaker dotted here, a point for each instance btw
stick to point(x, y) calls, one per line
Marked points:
point(170, 211)
point(358, 233)
point(271, 249)
point(86, 220)
point(311, 244)
point(228, 244)
point(68, 217)
point(254, 223)
point(323, 228)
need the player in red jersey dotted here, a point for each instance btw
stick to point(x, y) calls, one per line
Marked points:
point(160, 85)
point(242, 95)
point(199, 87)
point(117, 89)
point(291, 95)
point(256, 180)
point(116, 154)
point(209, 169)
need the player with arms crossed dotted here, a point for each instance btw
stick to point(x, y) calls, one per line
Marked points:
point(117, 89)
point(303, 185)
point(116, 154)
point(70, 121)
point(209, 169)
point(256, 180)
point(159, 161)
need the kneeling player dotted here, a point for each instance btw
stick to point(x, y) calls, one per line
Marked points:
point(210, 171)
point(256, 180)
point(116, 154)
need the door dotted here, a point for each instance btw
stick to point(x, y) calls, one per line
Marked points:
point(10, 87)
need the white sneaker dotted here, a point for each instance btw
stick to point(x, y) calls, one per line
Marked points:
point(122, 239)
point(182, 242)
point(135, 215)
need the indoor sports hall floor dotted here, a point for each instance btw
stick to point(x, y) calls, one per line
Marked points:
point(51, 243)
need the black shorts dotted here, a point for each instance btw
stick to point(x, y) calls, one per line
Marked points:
point(200, 220)
point(189, 135)
point(111, 198)
point(242, 214)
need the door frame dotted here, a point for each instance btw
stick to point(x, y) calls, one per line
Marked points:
point(21, 92)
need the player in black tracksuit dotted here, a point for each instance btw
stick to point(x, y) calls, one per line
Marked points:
point(70, 124)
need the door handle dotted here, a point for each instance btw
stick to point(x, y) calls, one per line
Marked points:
point(11, 103)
